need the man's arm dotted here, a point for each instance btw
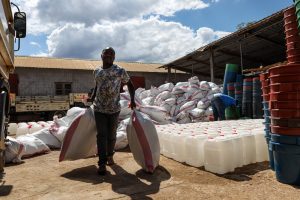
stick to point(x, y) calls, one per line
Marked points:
point(92, 98)
point(132, 93)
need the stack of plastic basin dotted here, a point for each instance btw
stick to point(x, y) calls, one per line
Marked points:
point(292, 36)
point(247, 98)
point(257, 99)
point(285, 121)
point(265, 86)
point(284, 105)
point(231, 72)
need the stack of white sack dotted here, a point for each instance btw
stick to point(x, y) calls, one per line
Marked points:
point(50, 136)
point(184, 102)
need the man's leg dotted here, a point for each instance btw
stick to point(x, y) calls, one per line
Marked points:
point(102, 132)
point(111, 137)
point(215, 111)
point(220, 107)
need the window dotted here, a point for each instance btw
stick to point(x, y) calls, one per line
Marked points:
point(63, 88)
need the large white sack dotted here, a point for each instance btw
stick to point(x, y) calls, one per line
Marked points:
point(182, 115)
point(14, 150)
point(125, 109)
point(204, 85)
point(143, 141)
point(199, 94)
point(197, 113)
point(172, 111)
point(184, 120)
point(72, 113)
point(32, 145)
point(80, 138)
point(171, 101)
point(154, 91)
point(50, 140)
point(163, 95)
point(139, 91)
point(166, 87)
point(202, 105)
point(190, 105)
point(156, 113)
point(194, 81)
point(148, 101)
point(180, 84)
point(144, 94)
point(122, 141)
point(58, 131)
point(166, 106)
point(126, 96)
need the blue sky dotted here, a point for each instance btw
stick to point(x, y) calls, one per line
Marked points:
point(156, 31)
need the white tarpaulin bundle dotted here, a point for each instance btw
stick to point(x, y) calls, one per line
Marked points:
point(143, 141)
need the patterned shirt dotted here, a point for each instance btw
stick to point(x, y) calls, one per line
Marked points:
point(108, 82)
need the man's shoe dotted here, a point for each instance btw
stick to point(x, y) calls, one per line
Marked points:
point(102, 170)
point(110, 160)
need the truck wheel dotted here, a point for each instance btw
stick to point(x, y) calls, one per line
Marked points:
point(2, 161)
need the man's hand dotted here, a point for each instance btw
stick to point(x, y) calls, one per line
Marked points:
point(132, 105)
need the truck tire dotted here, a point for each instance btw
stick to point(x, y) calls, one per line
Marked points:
point(60, 113)
point(2, 160)
point(3, 127)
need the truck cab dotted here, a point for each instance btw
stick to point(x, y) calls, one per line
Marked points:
point(11, 26)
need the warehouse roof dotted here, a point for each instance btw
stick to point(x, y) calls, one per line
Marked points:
point(261, 44)
point(63, 63)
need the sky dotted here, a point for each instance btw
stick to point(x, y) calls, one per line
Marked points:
point(148, 31)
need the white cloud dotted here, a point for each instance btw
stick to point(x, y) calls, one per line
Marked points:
point(150, 40)
point(80, 29)
point(35, 44)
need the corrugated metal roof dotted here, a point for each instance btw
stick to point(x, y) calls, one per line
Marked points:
point(63, 63)
point(262, 43)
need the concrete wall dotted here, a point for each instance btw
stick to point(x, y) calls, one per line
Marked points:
point(36, 82)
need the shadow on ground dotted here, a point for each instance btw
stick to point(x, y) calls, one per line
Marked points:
point(244, 173)
point(136, 186)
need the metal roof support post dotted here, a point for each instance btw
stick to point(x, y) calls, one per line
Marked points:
point(211, 59)
point(169, 74)
point(175, 76)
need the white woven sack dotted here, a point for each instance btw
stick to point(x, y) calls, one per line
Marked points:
point(80, 139)
point(143, 141)
point(166, 87)
point(50, 140)
point(32, 145)
point(14, 150)
point(156, 113)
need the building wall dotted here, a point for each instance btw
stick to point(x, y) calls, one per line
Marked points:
point(34, 82)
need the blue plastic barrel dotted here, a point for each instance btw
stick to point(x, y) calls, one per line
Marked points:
point(231, 90)
point(287, 162)
point(271, 156)
point(247, 98)
point(257, 98)
point(231, 72)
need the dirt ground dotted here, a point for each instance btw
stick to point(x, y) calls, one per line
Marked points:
point(43, 177)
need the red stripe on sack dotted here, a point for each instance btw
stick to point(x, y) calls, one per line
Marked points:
point(20, 149)
point(68, 137)
point(144, 142)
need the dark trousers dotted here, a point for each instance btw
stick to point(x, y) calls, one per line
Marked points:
point(218, 108)
point(107, 125)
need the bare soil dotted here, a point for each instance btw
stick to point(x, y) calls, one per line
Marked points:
point(43, 177)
